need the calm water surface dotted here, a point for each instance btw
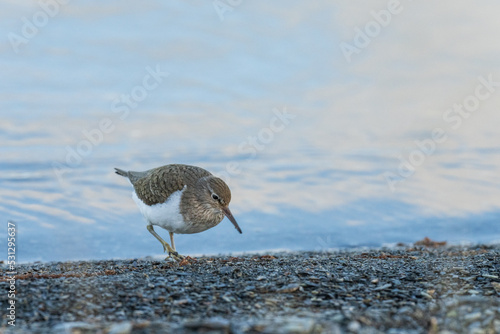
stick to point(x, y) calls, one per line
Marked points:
point(321, 149)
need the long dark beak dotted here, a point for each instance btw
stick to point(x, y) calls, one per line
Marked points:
point(229, 216)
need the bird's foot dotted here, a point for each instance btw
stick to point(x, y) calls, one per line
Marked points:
point(172, 254)
point(175, 255)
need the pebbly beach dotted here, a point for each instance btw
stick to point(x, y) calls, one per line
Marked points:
point(409, 289)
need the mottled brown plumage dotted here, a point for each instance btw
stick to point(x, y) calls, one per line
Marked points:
point(156, 185)
point(203, 203)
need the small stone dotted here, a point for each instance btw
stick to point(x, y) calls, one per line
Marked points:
point(496, 325)
point(287, 326)
point(73, 327)
point(396, 282)
point(226, 270)
point(138, 313)
point(270, 302)
point(289, 288)
point(120, 314)
point(471, 317)
point(426, 295)
point(354, 327)
point(121, 328)
point(405, 310)
point(490, 276)
point(182, 302)
point(228, 299)
point(475, 329)
point(338, 317)
point(383, 287)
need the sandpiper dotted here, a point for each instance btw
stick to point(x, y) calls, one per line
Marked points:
point(181, 199)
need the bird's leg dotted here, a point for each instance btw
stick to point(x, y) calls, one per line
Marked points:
point(173, 245)
point(166, 246)
point(172, 239)
point(185, 259)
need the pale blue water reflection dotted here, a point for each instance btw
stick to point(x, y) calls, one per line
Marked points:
point(81, 98)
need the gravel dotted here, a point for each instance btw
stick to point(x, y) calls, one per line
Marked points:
point(399, 290)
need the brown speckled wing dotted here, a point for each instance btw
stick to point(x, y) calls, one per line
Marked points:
point(159, 183)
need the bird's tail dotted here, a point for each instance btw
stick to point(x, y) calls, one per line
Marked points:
point(121, 172)
point(132, 176)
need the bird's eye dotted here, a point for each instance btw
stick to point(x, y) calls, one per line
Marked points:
point(215, 197)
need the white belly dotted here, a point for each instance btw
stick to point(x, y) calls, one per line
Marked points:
point(166, 215)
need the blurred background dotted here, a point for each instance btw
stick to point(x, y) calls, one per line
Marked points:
point(336, 124)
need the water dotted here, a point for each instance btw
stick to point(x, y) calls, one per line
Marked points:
point(320, 149)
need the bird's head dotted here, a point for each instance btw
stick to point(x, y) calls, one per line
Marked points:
point(217, 195)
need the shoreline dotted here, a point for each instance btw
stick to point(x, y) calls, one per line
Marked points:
point(357, 248)
point(419, 289)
